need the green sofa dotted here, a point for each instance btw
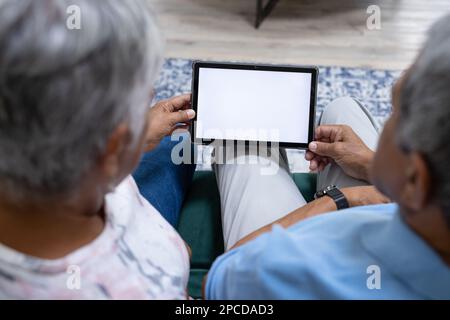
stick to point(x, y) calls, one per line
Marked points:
point(201, 227)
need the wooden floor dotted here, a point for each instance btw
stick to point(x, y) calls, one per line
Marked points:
point(321, 32)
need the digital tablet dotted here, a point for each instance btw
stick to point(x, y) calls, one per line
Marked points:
point(253, 102)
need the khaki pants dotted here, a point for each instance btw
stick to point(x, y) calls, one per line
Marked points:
point(253, 195)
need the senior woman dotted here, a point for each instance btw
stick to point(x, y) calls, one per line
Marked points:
point(74, 122)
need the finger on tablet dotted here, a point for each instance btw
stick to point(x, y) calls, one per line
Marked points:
point(181, 116)
point(309, 155)
point(313, 165)
point(325, 131)
point(180, 102)
point(329, 132)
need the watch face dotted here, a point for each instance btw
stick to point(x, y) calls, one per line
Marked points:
point(334, 193)
point(324, 191)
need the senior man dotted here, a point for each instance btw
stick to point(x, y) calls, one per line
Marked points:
point(399, 250)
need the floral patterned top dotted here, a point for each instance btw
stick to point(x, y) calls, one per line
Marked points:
point(137, 256)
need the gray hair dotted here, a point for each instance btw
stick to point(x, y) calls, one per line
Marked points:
point(63, 92)
point(425, 110)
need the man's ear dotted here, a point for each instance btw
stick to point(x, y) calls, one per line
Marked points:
point(417, 191)
point(112, 157)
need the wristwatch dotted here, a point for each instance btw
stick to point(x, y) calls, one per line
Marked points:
point(334, 193)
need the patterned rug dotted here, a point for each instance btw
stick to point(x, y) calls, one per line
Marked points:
point(371, 87)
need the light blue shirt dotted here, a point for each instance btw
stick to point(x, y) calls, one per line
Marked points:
point(359, 253)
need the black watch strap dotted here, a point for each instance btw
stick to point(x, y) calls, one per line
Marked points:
point(334, 193)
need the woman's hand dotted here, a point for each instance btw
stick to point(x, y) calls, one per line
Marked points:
point(340, 144)
point(363, 196)
point(167, 116)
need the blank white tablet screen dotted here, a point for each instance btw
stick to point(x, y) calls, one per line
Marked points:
point(253, 105)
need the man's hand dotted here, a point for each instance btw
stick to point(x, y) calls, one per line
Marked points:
point(340, 144)
point(167, 116)
point(363, 196)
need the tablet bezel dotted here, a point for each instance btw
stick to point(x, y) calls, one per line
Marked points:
point(314, 71)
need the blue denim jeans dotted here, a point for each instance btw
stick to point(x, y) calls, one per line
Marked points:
point(163, 183)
